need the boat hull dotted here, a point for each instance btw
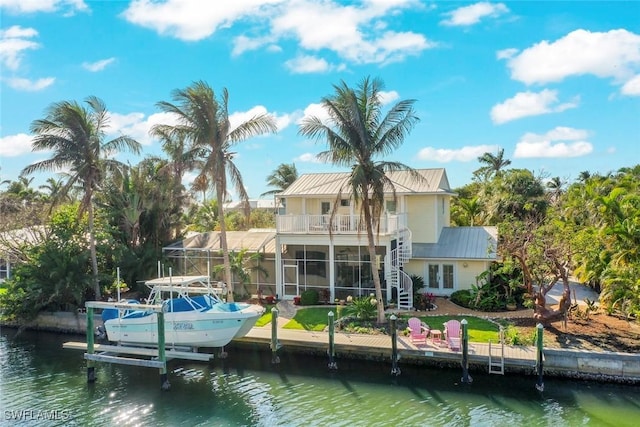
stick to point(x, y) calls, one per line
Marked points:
point(211, 328)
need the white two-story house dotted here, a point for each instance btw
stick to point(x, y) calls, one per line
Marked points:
point(314, 250)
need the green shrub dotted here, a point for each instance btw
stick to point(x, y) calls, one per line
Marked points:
point(418, 284)
point(309, 297)
point(461, 297)
point(363, 308)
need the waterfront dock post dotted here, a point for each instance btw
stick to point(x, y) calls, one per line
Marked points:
point(332, 353)
point(466, 378)
point(275, 345)
point(539, 357)
point(395, 370)
point(162, 357)
point(91, 369)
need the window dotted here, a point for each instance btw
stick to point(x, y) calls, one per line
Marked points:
point(447, 279)
point(325, 207)
point(344, 202)
point(434, 276)
point(390, 206)
point(314, 264)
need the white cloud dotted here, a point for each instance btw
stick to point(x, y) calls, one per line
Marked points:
point(464, 154)
point(15, 145)
point(236, 118)
point(388, 97)
point(242, 44)
point(189, 19)
point(506, 53)
point(307, 64)
point(632, 86)
point(356, 33)
point(13, 42)
point(469, 15)
point(30, 6)
point(525, 104)
point(30, 85)
point(315, 110)
point(307, 158)
point(98, 65)
point(614, 54)
point(559, 142)
point(137, 126)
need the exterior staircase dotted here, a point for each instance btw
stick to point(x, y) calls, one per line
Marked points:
point(397, 278)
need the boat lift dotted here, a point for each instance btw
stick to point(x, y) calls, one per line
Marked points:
point(158, 355)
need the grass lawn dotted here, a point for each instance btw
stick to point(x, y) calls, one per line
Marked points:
point(480, 330)
point(316, 319)
point(311, 319)
point(266, 317)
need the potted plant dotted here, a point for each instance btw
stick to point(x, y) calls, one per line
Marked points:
point(296, 300)
point(511, 304)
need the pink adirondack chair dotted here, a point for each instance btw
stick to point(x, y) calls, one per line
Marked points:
point(418, 331)
point(452, 334)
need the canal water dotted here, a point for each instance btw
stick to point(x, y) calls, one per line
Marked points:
point(42, 384)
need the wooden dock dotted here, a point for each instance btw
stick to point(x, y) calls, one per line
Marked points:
point(380, 346)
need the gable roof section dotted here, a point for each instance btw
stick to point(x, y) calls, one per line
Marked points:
point(472, 243)
point(328, 184)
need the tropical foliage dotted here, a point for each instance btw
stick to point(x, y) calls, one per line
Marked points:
point(75, 135)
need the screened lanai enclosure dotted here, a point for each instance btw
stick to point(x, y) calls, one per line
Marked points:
point(253, 259)
point(251, 254)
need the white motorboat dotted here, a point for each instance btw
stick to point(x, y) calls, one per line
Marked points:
point(194, 315)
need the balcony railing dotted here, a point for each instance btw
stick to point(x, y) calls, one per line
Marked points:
point(341, 224)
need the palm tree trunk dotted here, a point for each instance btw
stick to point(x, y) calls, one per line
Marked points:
point(94, 254)
point(223, 242)
point(366, 207)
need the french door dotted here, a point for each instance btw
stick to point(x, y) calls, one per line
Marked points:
point(440, 276)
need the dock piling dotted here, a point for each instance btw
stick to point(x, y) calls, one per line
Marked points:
point(539, 357)
point(466, 378)
point(275, 345)
point(395, 370)
point(332, 363)
point(91, 369)
point(162, 357)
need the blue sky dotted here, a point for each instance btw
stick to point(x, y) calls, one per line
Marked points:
point(556, 84)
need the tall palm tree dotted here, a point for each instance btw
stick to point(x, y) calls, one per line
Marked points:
point(357, 133)
point(281, 178)
point(492, 164)
point(76, 136)
point(203, 120)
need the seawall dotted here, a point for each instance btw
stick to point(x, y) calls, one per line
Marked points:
point(568, 363)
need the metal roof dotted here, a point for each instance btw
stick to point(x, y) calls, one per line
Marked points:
point(470, 243)
point(323, 184)
point(253, 240)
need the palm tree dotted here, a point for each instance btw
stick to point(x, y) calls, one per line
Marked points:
point(556, 189)
point(492, 165)
point(75, 134)
point(203, 120)
point(357, 133)
point(281, 178)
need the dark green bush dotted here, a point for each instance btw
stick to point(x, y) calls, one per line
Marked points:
point(461, 298)
point(309, 297)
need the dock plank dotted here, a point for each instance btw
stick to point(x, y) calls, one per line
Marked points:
point(139, 351)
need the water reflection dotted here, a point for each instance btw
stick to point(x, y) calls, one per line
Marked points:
point(246, 389)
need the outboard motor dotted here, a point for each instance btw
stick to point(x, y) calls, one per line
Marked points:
point(101, 332)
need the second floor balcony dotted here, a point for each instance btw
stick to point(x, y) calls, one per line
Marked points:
point(340, 224)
